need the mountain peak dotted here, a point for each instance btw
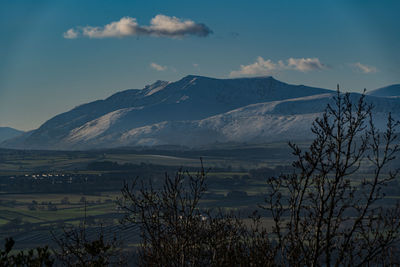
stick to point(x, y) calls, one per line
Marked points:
point(156, 84)
point(197, 77)
point(155, 87)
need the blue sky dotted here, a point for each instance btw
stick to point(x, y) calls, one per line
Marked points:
point(45, 71)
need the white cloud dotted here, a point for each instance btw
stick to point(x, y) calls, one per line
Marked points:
point(305, 64)
point(70, 34)
point(260, 67)
point(264, 67)
point(126, 26)
point(158, 67)
point(364, 68)
point(160, 26)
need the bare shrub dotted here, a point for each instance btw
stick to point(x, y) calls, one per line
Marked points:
point(324, 213)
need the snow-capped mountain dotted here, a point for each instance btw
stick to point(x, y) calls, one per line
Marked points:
point(253, 123)
point(192, 111)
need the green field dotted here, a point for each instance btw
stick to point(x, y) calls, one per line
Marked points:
point(29, 214)
point(17, 206)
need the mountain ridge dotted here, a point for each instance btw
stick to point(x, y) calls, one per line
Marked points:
point(194, 110)
point(387, 91)
point(8, 132)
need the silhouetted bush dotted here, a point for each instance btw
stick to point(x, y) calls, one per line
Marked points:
point(37, 257)
point(76, 248)
point(175, 231)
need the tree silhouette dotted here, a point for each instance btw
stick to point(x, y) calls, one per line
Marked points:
point(328, 213)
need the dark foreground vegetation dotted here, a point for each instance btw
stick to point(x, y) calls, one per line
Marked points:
point(323, 211)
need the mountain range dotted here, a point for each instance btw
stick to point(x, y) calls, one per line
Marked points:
point(195, 111)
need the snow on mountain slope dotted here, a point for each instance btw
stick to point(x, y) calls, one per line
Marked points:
point(49, 134)
point(96, 127)
point(283, 120)
point(156, 87)
point(191, 98)
point(388, 91)
point(101, 127)
point(253, 129)
point(193, 111)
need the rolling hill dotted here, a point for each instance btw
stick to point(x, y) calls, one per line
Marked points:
point(388, 91)
point(8, 133)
